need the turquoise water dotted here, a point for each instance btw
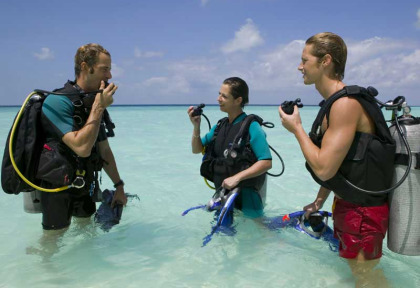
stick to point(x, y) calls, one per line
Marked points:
point(154, 246)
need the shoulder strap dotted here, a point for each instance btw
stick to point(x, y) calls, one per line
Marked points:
point(326, 106)
point(242, 131)
point(382, 131)
point(365, 96)
point(219, 124)
point(212, 142)
point(246, 123)
point(353, 90)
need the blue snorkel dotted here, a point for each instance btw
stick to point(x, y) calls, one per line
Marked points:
point(193, 208)
point(225, 218)
point(215, 203)
point(223, 200)
point(318, 229)
point(315, 226)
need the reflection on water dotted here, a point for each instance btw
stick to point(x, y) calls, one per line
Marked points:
point(154, 246)
point(51, 241)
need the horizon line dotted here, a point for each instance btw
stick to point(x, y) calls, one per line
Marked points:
point(126, 105)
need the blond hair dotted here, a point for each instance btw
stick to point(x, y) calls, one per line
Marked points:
point(332, 44)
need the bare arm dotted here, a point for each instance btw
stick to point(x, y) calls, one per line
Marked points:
point(196, 144)
point(110, 167)
point(322, 196)
point(325, 161)
point(255, 170)
point(82, 141)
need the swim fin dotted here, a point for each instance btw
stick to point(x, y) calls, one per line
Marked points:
point(107, 216)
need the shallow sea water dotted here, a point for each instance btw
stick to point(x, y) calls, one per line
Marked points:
point(154, 246)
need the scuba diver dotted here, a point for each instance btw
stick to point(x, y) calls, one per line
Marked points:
point(58, 145)
point(349, 140)
point(236, 152)
point(76, 140)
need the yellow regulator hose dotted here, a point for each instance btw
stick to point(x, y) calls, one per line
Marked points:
point(12, 157)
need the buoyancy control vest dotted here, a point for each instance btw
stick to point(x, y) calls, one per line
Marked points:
point(369, 164)
point(28, 137)
point(58, 172)
point(229, 152)
point(27, 140)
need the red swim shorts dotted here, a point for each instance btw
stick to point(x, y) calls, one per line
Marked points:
point(360, 228)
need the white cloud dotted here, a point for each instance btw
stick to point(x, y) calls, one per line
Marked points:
point(179, 84)
point(168, 85)
point(362, 50)
point(201, 70)
point(392, 70)
point(45, 54)
point(155, 81)
point(412, 59)
point(246, 38)
point(279, 68)
point(385, 63)
point(418, 19)
point(147, 54)
point(390, 65)
point(204, 2)
point(117, 71)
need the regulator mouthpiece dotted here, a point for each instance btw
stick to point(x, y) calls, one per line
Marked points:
point(288, 106)
point(198, 110)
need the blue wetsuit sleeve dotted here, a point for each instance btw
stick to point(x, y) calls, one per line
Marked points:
point(259, 142)
point(59, 111)
point(205, 140)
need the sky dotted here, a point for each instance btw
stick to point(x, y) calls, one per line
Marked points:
point(180, 51)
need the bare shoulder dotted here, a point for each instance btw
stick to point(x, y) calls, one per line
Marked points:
point(347, 108)
point(348, 111)
point(346, 104)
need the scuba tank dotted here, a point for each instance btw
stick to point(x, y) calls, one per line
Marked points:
point(404, 201)
point(32, 202)
point(404, 193)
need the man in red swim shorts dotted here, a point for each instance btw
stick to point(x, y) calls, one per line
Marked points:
point(343, 144)
point(360, 229)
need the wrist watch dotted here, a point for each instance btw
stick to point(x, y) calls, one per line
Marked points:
point(119, 183)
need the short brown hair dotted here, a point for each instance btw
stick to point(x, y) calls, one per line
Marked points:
point(332, 44)
point(88, 53)
point(238, 88)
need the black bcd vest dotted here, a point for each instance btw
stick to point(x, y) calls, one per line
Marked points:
point(31, 145)
point(369, 164)
point(62, 172)
point(229, 152)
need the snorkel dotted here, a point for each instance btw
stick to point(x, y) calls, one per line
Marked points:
point(225, 218)
point(216, 202)
point(223, 200)
point(315, 225)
